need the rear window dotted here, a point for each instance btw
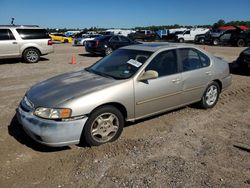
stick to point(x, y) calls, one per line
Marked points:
point(33, 34)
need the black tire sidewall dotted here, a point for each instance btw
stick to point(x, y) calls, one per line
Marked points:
point(25, 54)
point(203, 102)
point(86, 135)
point(239, 42)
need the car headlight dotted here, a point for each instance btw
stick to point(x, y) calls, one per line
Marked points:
point(52, 113)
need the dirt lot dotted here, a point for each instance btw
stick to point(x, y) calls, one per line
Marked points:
point(188, 147)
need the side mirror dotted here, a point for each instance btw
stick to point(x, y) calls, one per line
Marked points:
point(148, 75)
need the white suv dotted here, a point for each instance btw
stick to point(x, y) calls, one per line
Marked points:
point(28, 42)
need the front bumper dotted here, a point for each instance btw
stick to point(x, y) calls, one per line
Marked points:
point(49, 132)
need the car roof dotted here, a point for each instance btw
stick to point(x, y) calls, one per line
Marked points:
point(20, 27)
point(153, 47)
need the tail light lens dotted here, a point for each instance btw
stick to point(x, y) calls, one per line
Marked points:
point(96, 43)
point(50, 42)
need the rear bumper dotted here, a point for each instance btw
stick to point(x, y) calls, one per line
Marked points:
point(49, 132)
point(94, 50)
point(226, 82)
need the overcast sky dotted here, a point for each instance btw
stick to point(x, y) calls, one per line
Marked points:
point(121, 13)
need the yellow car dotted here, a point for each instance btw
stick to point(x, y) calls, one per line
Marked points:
point(61, 37)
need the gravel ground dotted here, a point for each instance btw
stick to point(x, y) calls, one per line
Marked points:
point(188, 147)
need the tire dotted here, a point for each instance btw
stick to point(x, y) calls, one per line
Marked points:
point(108, 51)
point(65, 41)
point(31, 55)
point(216, 42)
point(241, 43)
point(201, 40)
point(210, 96)
point(105, 124)
point(181, 40)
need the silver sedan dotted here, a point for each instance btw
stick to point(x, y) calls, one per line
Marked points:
point(93, 104)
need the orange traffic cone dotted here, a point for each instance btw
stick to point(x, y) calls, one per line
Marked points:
point(73, 60)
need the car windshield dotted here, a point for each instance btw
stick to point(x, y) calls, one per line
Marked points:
point(121, 64)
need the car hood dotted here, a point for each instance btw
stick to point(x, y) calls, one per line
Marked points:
point(56, 90)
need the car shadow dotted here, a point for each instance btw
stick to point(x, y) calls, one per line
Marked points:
point(237, 70)
point(19, 60)
point(16, 131)
point(91, 55)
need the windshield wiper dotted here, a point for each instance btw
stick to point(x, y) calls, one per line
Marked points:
point(100, 73)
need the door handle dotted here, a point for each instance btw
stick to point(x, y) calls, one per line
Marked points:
point(14, 42)
point(177, 80)
point(208, 73)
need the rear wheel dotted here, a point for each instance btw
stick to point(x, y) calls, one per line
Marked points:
point(108, 51)
point(210, 96)
point(105, 124)
point(241, 43)
point(31, 55)
point(66, 41)
point(181, 40)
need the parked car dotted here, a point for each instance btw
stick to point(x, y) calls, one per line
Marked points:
point(206, 37)
point(81, 40)
point(244, 58)
point(61, 38)
point(134, 82)
point(169, 34)
point(26, 41)
point(106, 44)
point(226, 37)
point(145, 35)
point(241, 38)
point(189, 35)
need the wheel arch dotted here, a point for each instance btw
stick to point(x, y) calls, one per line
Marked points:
point(219, 83)
point(31, 47)
point(117, 105)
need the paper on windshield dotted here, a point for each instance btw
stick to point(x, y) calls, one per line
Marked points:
point(134, 63)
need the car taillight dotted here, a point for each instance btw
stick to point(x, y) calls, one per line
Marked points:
point(96, 43)
point(50, 42)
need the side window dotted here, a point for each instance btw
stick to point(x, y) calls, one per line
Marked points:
point(165, 63)
point(187, 32)
point(6, 34)
point(114, 39)
point(124, 39)
point(192, 59)
point(33, 33)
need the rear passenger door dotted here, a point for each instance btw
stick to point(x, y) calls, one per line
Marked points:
point(124, 41)
point(114, 42)
point(8, 44)
point(196, 73)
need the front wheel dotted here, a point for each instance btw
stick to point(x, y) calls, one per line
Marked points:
point(105, 124)
point(31, 55)
point(202, 41)
point(210, 96)
point(216, 42)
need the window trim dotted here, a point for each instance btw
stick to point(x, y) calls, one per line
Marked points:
point(177, 62)
point(196, 50)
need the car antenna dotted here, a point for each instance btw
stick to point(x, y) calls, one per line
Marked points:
point(12, 21)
